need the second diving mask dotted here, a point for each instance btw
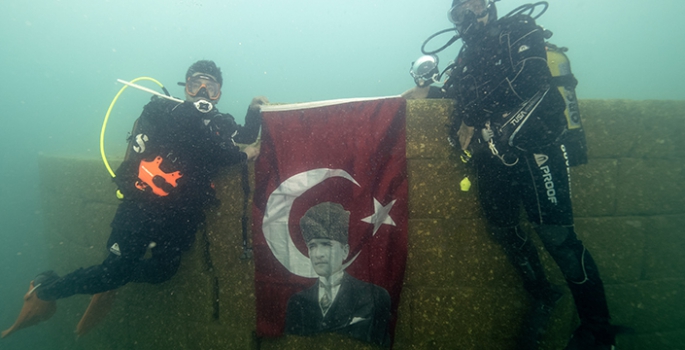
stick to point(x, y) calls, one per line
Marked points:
point(425, 70)
point(195, 84)
point(464, 10)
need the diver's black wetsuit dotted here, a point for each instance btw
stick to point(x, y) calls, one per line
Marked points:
point(189, 142)
point(501, 68)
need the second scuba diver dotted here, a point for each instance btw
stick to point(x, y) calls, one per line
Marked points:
point(510, 118)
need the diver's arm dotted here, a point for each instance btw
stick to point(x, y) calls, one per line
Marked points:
point(222, 129)
point(416, 93)
point(253, 121)
point(251, 152)
point(529, 73)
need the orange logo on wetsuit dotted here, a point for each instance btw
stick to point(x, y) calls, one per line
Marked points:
point(150, 175)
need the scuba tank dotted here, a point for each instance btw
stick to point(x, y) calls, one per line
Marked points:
point(563, 79)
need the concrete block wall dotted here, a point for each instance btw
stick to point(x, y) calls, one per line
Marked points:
point(630, 209)
point(460, 292)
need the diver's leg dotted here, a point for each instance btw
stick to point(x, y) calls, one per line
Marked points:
point(116, 270)
point(159, 268)
point(47, 287)
point(582, 277)
point(549, 208)
point(523, 255)
point(170, 241)
point(501, 189)
point(34, 309)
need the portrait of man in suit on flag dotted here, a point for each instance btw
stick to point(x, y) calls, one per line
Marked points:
point(337, 302)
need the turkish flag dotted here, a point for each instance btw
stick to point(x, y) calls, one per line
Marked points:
point(350, 152)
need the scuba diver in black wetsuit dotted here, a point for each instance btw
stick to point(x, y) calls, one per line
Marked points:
point(510, 119)
point(174, 151)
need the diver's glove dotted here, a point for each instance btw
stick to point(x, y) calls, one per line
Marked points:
point(464, 154)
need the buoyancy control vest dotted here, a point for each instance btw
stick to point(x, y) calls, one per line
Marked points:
point(563, 79)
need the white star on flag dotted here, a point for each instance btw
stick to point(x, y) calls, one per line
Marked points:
point(380, 216)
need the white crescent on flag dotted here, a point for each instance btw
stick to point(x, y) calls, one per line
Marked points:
point(277, 215)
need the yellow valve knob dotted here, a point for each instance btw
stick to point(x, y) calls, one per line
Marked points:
point(465, 184)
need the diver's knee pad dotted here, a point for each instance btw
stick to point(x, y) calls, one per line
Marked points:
point(523, 255)
point(567, 251)
point(554, 235)
point(509, 237)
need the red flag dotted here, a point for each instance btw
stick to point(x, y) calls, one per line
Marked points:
point(350, 152)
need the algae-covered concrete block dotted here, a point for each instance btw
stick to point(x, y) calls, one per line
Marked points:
point(427, 128)
point(466, 318)
point(622, 128)
point(648, 306)
point(663, 127)
point(650, 186)
point(610, 127)
point(456, 253)
point(78, 207)
point(652, 341)
point(434, 190)
point(665, 247)
point(620, 260)
point(593, 187)
point(77, 177)
point(216, 336)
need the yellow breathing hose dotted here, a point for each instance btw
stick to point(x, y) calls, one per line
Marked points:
point(109, 111)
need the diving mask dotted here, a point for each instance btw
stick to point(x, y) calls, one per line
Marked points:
point(195, 84)
point(460, 12)
point(425, 70)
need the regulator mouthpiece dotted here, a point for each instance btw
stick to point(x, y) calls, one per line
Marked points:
point(203, 106)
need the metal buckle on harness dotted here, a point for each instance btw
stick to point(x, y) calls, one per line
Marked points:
point(495, 152)
point(488, 136)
